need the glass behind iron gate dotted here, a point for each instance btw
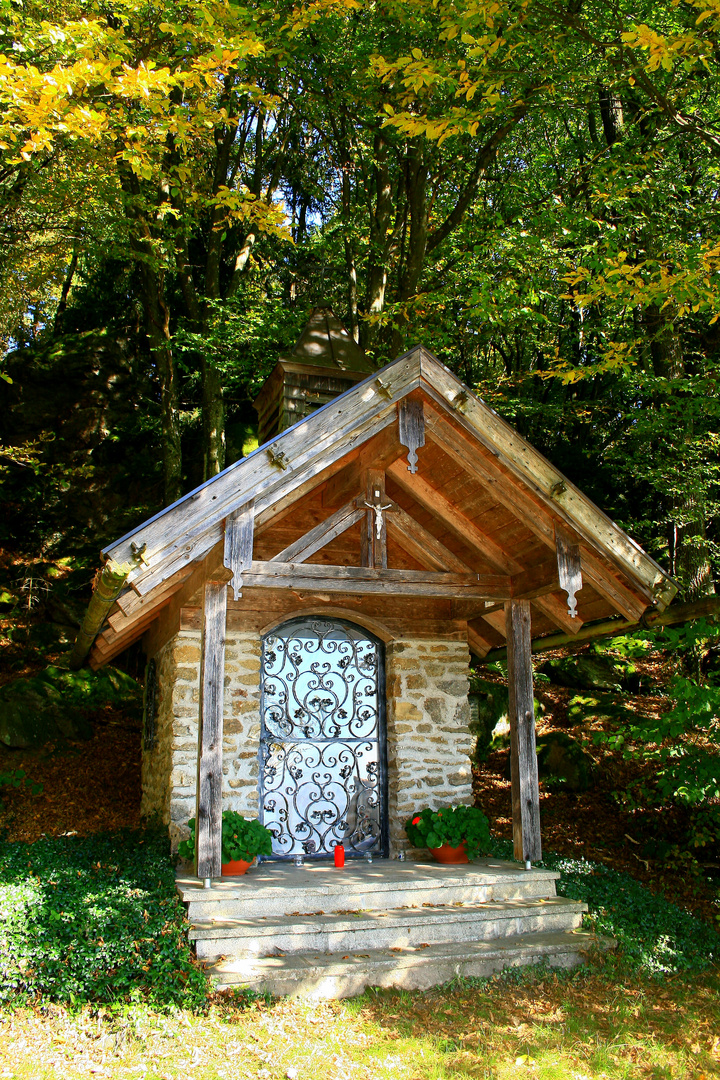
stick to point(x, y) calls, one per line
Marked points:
point(323, 776)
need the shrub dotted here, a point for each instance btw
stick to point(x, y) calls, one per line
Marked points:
point(94, 919)
point(450, 825)
point(241, 839)
point(654, 936)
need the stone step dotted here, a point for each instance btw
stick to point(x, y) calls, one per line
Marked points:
point(275, 889)
point(321, 976)
point(364, 930)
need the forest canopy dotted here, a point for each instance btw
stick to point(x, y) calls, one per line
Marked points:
point(529, 188)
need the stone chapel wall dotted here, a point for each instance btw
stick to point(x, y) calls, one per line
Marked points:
point(428, 740)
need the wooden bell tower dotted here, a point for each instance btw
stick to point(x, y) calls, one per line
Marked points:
point(324, 363)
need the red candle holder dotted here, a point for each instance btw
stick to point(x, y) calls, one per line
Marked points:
point(339, 854)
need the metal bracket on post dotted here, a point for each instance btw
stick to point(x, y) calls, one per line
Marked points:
point(528, 864)
point(207, 883)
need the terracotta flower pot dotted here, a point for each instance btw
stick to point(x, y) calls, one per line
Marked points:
point(447, 854)
point(235, 867)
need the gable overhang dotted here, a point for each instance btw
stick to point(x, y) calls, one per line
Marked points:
point(160, 554)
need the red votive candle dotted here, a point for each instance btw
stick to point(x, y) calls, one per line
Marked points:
point(339, 854)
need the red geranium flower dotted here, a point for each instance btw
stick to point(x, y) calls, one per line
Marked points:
point(415, 820)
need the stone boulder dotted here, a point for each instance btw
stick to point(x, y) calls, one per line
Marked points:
point(54, 704)
point(563, 764)
point(489, 705)
point(584, 673)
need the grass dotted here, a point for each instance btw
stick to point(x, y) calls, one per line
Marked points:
point(541, 1026)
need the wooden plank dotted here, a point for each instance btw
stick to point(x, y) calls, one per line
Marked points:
point(530, 511)
point(556, 610)
point(131, 601)
point(360, 580)
point(316, 539)
point(421, 544)
point(373, 535)
point(209, 567)
point(411, 427)
point(238, 549)
point(526, 462)
point(378, 454)
point(456, 522)
point(524, 770)
point(278, 489)
point(496, 619)
point(536, 582)
point(325, 434)
point(477, 641)
point(568, 563)
point(120, 620)
point(208, 813)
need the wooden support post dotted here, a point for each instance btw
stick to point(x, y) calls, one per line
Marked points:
point(373, 537)
point(524, 771)
point(208, 814)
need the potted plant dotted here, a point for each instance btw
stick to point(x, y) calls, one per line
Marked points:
point(454, 834)
point(242, 840)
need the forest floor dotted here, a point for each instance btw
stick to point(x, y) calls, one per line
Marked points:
point(601, 1023)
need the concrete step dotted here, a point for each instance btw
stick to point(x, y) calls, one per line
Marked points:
point(274, 889)
point(316, 975)
point(365, 930)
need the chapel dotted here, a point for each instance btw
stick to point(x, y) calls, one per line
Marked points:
point(309, 614)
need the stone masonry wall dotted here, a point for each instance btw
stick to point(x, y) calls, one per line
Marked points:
point(428, 740)
point(169, 772)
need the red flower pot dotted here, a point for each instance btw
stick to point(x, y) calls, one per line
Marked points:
point(235, 867)
point(447, 854)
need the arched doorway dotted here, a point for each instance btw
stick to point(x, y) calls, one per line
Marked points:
point(322, 758)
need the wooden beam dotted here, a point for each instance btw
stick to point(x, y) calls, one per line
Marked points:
point(368, 580)
point(421, 544)
point(524, 770)
point(316, 539)
point(373, 536)
point(536, 582)
point(477, 641)
point(211, 567)
point(208, 815)
point(496, 619)
point(378, 454)
point(528, 509)
point(526, 462)
point(238, 551)
point(672, 616)
point(273, 488)
point(568, 563)
point(120, 620)
point(475, 538)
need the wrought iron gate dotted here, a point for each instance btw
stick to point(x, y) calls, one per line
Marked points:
point(322, 741)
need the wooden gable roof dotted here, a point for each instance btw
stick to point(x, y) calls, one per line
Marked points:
point(480, 518)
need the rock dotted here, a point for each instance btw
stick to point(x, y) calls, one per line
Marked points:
point(55, 704)
point(489, 716)
point(583, 673)
point(563, 764)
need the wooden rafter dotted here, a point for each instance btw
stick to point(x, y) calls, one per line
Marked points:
point(316, 539)
point(531, 512)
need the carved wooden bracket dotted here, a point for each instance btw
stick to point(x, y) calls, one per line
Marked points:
point(411, 425)
point(569, 570)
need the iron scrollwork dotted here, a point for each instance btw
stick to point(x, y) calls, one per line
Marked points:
point(322, 750)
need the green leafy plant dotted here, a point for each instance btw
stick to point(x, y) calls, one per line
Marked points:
point(95, 919)
point(241, 839)
point(450, 825)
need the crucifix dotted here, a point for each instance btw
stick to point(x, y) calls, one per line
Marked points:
point(373, 542)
